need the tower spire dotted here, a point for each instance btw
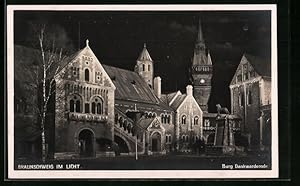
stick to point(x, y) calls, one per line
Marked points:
point(200, 33)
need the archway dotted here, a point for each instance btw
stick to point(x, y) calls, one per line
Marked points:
point(156, 142)
point(122, 145)
point(86, 143)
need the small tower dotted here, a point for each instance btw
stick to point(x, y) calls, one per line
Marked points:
point(144, 66)
point(201, 71)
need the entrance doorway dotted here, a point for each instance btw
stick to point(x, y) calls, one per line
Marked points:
point(156, 142)
point(86, 143)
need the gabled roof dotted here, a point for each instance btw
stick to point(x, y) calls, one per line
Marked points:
point(260, 65)
point(178, 100)
point(144, 56)
point(130, 86)
point(145, 122)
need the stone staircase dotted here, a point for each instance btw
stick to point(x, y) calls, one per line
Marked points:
point(124, 128)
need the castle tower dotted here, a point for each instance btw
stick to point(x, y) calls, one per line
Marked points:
point(201, 71)
point(144, 66)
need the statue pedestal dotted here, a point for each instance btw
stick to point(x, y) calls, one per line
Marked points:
point(224, 135)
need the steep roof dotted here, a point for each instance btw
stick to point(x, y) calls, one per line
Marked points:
point(144, 56)
point(261, 66)
point(166, 98)
point(130, 86)
point(178, 100)
point(145, 122)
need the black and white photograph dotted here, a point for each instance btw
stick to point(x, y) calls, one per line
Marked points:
point(142, 91)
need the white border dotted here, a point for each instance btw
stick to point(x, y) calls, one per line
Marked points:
point(146, 174)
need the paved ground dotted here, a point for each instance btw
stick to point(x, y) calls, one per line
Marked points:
point(170, 162)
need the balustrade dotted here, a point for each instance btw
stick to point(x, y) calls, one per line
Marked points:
point(88, 117)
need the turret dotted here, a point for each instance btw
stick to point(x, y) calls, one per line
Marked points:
point(144, 66)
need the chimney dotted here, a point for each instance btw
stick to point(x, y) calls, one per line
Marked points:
point(189, 90)
point(157, 86)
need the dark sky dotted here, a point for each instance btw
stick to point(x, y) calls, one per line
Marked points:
point(117, 39)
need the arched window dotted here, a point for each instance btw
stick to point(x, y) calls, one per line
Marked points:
point(72, 105)
point(187, 138)
point(168, 119)
point(162, 118)
point(183, 119)
point(87, 108)
point(75, 105)
point(97, 106)
point(196, 120)
point(87, 75)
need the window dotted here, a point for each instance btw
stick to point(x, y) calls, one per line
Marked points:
point(241, 99)
point(168, 119)
point(252, 73)
point(245, 71)
point(239, 78)
point(143, 67)
point(162, 118)
point(71, 105)
point(249, 100)
point(75, 104)
point(168, 138)
point(183, 119)
point(206, 123)
point(87, 75)
point(149, 67)
point(97, 106)
point(87, 108)
point(196, 119)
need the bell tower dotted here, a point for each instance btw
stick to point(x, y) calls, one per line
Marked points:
point(201, 71)
point(144, 66)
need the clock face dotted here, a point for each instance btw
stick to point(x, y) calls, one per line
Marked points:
point(202, 81)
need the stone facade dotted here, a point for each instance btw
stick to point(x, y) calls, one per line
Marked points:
point(250, 92)
point(84, 104)
point(188, 122)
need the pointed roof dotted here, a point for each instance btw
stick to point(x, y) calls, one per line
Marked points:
point(261, 66)
point(200, 33)
point(145, 122)
point(209, 61)
point(145, 56)
point(178, 100)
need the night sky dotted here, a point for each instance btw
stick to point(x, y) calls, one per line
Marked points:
point(117, 39)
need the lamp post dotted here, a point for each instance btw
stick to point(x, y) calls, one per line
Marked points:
point(136, 149)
